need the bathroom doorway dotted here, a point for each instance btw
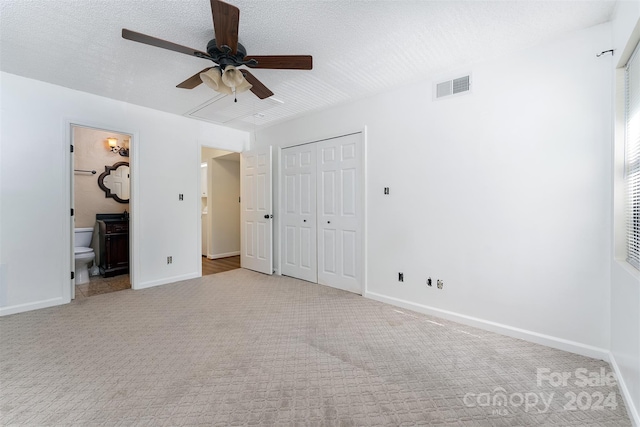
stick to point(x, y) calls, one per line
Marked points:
point(100, 199)
point(220, 210)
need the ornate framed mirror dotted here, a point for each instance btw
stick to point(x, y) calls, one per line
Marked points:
point(114, 181)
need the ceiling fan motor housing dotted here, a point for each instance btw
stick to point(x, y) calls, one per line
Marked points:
point(223, 56)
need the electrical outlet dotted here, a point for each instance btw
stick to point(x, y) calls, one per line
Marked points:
point(180, 196)
point(429, 282)
point(400, 277)
point(169, 260)
point(386, 190)
point(440, 284)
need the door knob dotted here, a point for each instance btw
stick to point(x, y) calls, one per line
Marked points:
point(328, 222)
point(268, 216)
point(305, 220)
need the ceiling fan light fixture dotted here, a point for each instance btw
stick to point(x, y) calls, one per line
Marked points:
point(232, 77)
point(211, 78)
point(244, 86)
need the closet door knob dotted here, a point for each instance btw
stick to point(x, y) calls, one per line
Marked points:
point(328, 222)
point(305, 220)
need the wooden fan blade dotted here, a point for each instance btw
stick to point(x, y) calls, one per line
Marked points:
point(225, 24)
point(152, 41)
point(258, 89)
point(193, 81)
point(282, 62)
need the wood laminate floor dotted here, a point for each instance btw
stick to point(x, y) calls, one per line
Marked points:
point(219, 265)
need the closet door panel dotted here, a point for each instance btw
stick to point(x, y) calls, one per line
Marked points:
point(340, 213)
point(349, 192)
point(299, 238)
point(290, 245)
point(306, 260)
point(328, 192)
point(328, 255)
point(349, 254)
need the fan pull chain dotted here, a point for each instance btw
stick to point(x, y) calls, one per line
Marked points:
point(235, 96)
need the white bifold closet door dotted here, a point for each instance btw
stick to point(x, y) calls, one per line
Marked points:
point(298, 222)
point(323, 212)
point(340, 213)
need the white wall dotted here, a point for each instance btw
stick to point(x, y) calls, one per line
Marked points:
point(625, 280)
point(224, 190)
point(35, 258)
point(502, 193)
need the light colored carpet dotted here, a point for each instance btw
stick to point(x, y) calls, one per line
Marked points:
point(241, 348)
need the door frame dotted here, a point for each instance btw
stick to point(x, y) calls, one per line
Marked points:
point(199, 192)
point(68, 227)
point(363, 216)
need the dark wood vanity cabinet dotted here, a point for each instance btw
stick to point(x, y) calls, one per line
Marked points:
point(114, 247)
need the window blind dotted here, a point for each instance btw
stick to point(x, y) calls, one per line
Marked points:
point(632, 158)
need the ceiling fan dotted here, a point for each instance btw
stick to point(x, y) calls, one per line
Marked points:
point(225, 51)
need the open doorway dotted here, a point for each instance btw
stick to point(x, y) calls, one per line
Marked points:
point(220, 210)
point(101, 189)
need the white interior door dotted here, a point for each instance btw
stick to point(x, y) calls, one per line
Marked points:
point(340, 213)
point(256, 232)
point(298, 213)
point(73, 217)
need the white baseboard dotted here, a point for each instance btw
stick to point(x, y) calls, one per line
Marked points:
point(225, 255)
point(166, 280)
point(632, 410)
point(523, 334)
point(20, 308)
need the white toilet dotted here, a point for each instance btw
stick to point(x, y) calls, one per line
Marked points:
point(84, 254)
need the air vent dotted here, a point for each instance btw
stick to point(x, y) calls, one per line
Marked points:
point(452, 87)
point(444, 89)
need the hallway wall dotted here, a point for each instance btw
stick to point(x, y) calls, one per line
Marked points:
point(224, 191)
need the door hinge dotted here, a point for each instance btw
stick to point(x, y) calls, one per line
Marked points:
point(73, 275)
point(71, 148)
point(71, 211)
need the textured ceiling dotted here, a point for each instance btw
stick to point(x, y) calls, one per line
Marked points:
point(359, 47)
